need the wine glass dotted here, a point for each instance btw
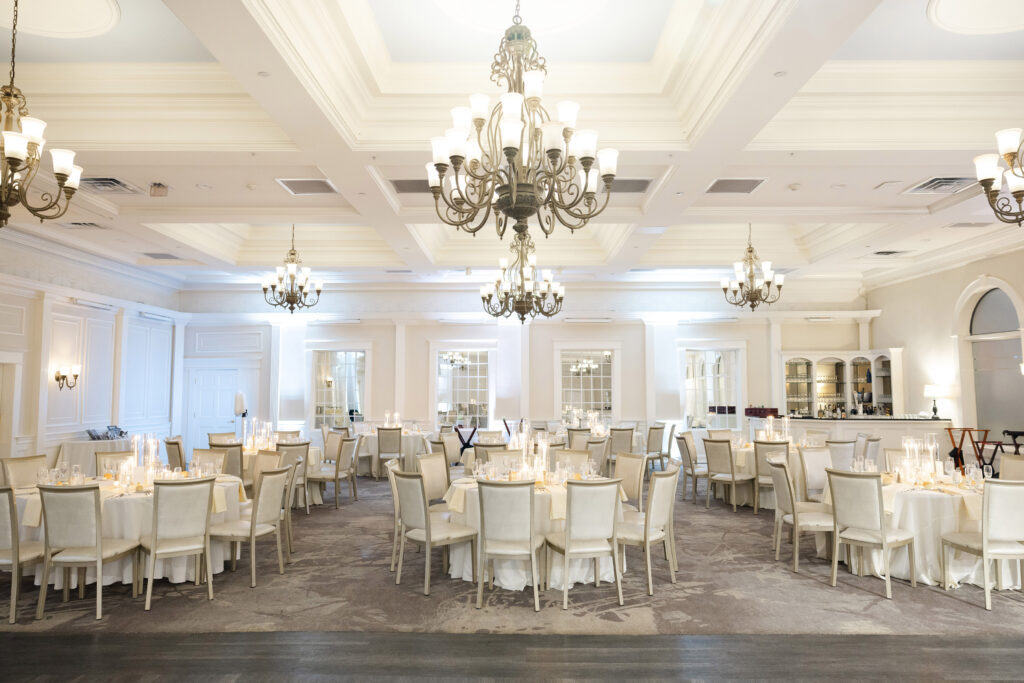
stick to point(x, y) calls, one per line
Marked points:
point(62, 467)
point(987, 471)
point(947, 466)
point(76, 474)
point(42, 474)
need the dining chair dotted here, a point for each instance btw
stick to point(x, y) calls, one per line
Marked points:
point(436, 480)
point(621, 442)
point(233, 457)
point(591, 511)
point(482, 452)
point(343, 466)
point(763, 451)
point(293, 461)
point(892, 459)
point(453, 449)
point(112, 459)
point(181, 528)
point(175, 452)
point(722, 469)
point(860, 443)
point(841, 454)
point(221, 437)
point(324, 430)
point(571, 458)
point(599, 449)
point(389, 445)
point(262, 460)
point(418, 526)
point(859, 521)
point(655, 439)
point(720, 434)
point(577, 437)
point(872, 449)
point(327, 468)
point(15, 554)
point(802, 516)
point(73, 538)
point(688, 455)
point(445, 429)
point(814, 460)
point(301, 450)
point(1000, 538)
point(266, 519)
point(630, 469)
point(817, 437)
point(656, 525)
point(490, 437)
point(435, 446)
point(507, 532)
point(208, 457)
point(287, 435)
point(345, 432)
point(1011, 467)
point(22, 472)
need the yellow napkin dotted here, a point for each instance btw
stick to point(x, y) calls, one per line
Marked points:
point(455, 496)
point(972, 500)
point(231, 479)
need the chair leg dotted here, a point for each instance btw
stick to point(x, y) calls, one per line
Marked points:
point(597, 573)
point(835, 558)
point(565, 579)
point(198, 575)
point(777, 537)
point(355, 489)
point(135, 573)
point(682, 490)
point(536, 579)
point(67, 584)
point(757, 495)
point(988, 584)
point(209, 571)
point(288, 521)
point(401, 556)
point(694, 484)
point(394, 545)
point(707, 498)
point(99, 588)
point(280, 555)
point(732, 492)
point(81, 583)
point(426, 570)
point(15, 581)
point(650, 581)
point(943, 567)
point(618, 577)
point(550, 565)
point(913, 567)
point(796, 549)
point(305, 490)
point(252, 563)
point(480, 584)
point(472, 552)
point(43, 587)
point(886, 558)
point(151, 567)
point(234, 554)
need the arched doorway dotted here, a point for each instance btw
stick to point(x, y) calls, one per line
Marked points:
point(996, 354)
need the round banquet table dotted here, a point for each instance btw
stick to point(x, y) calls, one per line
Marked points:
point(131, 516)
point(930, 514)
point(413, 443)
point(548, 516)
point(83, 452)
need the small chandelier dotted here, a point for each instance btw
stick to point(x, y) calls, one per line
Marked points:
point(991, 176)
point(583, 367)
point(754, 279)
point(517, 290)
point(516, 159)
point(453, 360)
point(22, 148)
point(290, 288)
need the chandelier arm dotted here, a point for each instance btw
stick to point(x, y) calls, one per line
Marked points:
point(583, 218)
point(49, 200)
point(546, 219)
point(453, 217)
point(53, 210)
point(1002, 206)
point(466, 195)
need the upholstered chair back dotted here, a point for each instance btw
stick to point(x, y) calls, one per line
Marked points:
point(506, 511)
point(71, 515)
point(599, 452)
point(412, 501)
point(269, 496)
point(719, 455)
point(263, 461)
point(209, 456)
point(570, 458)
point(8, 522)
point(783, 485)
point(655, 438)
point(347, 455)
point(629, 467)
point(764, 450)
point(662, 497)
point(389, 440)
point(622, 439)
point(814, 460)
point(857, 499)
point(181, 508)
point(720, 434)
point(299, 449)
point(576, 435)
point(22, 472)
point(590, 509)
point(434, 469)
point(175, 452)
point(1003, 510)
point(688, 457)
point(872, 449)
point(452, 446)
point(841, 454)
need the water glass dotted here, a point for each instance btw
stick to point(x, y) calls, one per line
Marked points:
point(42, 475)
point(987, 471)
point(63, 468)
point(947, 466)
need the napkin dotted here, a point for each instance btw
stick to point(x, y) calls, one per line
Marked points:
point(455, 496)
point(972, 500)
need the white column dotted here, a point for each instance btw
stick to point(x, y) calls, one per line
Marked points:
point(864, 333)
point(43, 333)
point(273, 378)
point(649, 387)
point(776, 368)
point(524, 371)
point(120, 378)
point(178, 379)
point(400, 370)
point(896, 380)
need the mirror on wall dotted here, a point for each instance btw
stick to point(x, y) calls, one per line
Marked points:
point(586, 383)
point(339, 387)
point(463, 388)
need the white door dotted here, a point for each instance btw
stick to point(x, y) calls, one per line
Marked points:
point(211, 404)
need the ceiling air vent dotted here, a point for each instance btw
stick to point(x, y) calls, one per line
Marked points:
point(969, 224)
point(83, 225)
point(734, 185)
point(889, 252)
point(400, 272)
point(620, 186)
point(161, 256)
point(941, 186)
point(301, 187)
point(109, 186)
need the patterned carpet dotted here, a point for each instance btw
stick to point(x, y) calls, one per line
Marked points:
point(728, 583)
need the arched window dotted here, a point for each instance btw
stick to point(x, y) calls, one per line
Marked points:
point(994, 313)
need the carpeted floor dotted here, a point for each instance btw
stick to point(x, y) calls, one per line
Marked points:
point(728, 583)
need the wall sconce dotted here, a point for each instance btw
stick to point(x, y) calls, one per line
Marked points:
point(67, 377)
point(328, 382)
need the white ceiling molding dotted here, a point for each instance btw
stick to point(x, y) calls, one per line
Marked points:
point(977, 18)
point(62, 19)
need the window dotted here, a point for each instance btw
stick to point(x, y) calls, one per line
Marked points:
point(340, 387)
point(712, 387)
point(463, 388)
point(586, 382)
point(994, 312)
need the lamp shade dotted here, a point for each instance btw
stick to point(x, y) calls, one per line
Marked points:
point(240, 403)
point(936, 391)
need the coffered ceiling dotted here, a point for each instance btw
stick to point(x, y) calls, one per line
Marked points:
point(840, 109)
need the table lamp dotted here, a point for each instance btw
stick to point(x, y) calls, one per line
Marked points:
point(934, 392)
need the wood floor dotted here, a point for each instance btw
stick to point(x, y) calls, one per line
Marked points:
point(321, 655)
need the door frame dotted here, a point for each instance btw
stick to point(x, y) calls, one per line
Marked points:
point(193, 364)
point(10, 385)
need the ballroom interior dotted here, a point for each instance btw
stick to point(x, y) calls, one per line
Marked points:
point(567, 339)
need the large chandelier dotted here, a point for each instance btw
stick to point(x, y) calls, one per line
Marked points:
point(22, 147)
point(290, 286)
point(517, 289)
point(515, 159)
point(754, 280)
point(991, 176)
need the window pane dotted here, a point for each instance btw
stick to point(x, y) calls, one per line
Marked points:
point(586, 383)
point(462, 388)
point(340, 387)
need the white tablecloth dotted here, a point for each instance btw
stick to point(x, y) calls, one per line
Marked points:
point(315, 491)
point(548, 516)
point(83, 452)
point(929, 514)
point(744, 463)
point(131, 516)
point(412, 445)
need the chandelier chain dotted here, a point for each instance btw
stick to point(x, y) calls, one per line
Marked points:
point(516, 19)
point(14, 39)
